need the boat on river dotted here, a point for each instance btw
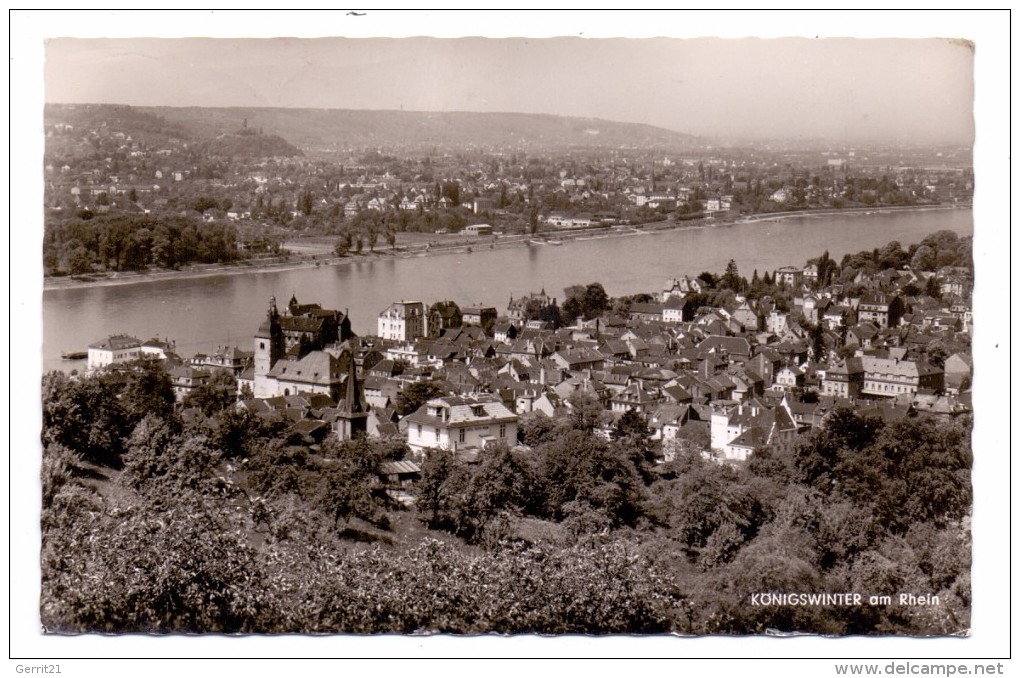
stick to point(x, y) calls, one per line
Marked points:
point(74, 355)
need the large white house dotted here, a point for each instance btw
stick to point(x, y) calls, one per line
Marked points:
point(122, 348)
point(118, 348)
point(402, 321)
point(461, 423)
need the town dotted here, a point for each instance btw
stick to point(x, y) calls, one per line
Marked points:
point(810, 423)
point(714, 364)
point(132, 190)
point(554, 337)
point(718, 434)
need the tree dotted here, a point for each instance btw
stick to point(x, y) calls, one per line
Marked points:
point(579, 472)
point(149, 390)
point(236, 432)
point(86, 417)
point(345, 490)
point(631, 434)
point(305, 203)
point(731, 278)
point(585, 411)
point(434, 500)
point(219, 393)
point(153, 565)
point(596, 301)
point(819, 459)
point(416, 394)
point(817, 334)
point(537, 427)
point(936, 353)
point(451, 191)
point(468, 501)
point(588, 302)
point(163, 462)
point(925, 464)
point(275, 470)
point(707, 279)
point(203, 204)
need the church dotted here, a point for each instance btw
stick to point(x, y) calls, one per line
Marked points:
point(302, 353)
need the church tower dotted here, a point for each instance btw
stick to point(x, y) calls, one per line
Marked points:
point(269, 347)
point(352, 418)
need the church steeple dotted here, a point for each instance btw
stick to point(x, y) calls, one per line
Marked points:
point(352, 418)
point(269, 347)
point(352, 397)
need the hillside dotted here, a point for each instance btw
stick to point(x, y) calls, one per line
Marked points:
point(247, 143)
point(323, 130)
point(261, 132)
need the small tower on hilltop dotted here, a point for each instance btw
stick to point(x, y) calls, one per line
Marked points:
point(269, 347)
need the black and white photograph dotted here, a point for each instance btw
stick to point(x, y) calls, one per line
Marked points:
point(394, 327)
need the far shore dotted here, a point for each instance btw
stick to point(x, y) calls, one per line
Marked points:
point(314, 252)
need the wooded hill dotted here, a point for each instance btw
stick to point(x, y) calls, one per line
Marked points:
point(333, 129)
point(92, 123)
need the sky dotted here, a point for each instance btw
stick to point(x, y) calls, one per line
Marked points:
point(841, 89)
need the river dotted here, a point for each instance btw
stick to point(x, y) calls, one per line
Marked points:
point(202, 313)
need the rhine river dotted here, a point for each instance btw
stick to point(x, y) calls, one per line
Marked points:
point(203, 313)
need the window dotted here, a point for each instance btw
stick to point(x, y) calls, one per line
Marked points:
point(462, 435)
point(502, 430)
point(262, 345)
point(419, 430)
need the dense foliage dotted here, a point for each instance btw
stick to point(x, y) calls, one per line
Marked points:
point(87, 242)
point(223, 527)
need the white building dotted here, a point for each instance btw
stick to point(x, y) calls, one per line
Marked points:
point(118, 348)
point(402, 321)
point(122, 348)
point(461, 423)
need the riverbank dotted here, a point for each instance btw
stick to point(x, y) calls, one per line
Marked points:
point(317, 254)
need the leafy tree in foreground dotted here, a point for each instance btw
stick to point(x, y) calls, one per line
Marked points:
point(345, 489)
point(85, 416)
point(149, 390)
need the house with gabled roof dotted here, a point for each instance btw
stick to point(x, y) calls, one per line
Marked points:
point(635, 397)
point(738, 429)
point(881, 309)
point(890, 377)
point(732, 348)
point(845, 380)
point(681, 287)
point(459, 423)
point(578, 358)
point(186, 379)
point(116, 348)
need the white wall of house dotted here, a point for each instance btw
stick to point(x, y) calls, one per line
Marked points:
point(423, 436)
point(101, 357)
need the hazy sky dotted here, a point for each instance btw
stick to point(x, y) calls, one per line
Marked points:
point(836, 88)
